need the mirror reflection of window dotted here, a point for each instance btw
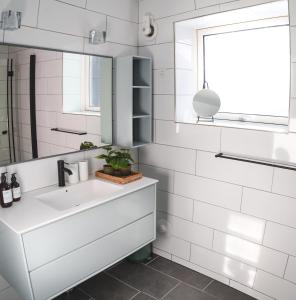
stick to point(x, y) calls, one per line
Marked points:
point(84, 83)
point(95, 83)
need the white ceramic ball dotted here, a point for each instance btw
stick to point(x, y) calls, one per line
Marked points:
point(206, 103)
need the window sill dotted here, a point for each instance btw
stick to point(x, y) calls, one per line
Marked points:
point(246, 125)
point(84, 113)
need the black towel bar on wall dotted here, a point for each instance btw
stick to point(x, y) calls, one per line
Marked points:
point(69, 131)
point(256, 161)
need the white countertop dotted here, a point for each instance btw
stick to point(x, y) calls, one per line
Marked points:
point(30, 213)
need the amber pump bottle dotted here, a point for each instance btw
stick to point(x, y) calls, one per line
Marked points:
point(15, 188)
point(5, 192)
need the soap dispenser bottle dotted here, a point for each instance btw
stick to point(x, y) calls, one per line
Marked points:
point(15, 187)
point(5, 192)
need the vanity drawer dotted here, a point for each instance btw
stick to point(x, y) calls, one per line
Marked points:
point(73, 268)
point(52, 241)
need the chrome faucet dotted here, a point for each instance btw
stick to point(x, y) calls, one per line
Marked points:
point(61, 172)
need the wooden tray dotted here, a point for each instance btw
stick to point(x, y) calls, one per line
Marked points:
point(120, 180)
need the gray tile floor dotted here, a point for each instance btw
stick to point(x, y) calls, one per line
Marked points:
point(159, 279)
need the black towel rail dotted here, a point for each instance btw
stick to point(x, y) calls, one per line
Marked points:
point(256, 161)
point(69, 131)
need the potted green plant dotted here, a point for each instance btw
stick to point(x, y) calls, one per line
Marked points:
point(87, 145)
point(118, 163)
point(108, 169)
point(126, 162)
point(121, 162)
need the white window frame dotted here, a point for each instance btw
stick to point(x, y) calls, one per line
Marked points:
point(200, 33)
point(85, 87)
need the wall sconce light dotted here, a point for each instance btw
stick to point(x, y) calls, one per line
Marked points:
point(97, 37)
point(10, 20)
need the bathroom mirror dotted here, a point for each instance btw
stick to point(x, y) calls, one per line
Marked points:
point(51, 102)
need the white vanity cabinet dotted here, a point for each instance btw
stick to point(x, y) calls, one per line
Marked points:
point(43, 262)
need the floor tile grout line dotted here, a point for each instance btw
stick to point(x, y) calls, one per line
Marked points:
point(204, 289)
point(206, 292)
point(85, 293)
point(123, 282)
point(147, 294)
point(186, 283)
point(199, 290)
point(164, 274)
point(167, 275)
point(172, 289)
point(151, 261)
point(131, 286)
point(134, 296)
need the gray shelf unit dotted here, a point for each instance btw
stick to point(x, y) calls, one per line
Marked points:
point(133, 101)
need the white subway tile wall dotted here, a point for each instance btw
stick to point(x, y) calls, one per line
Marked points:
point(291, 270)
point(248, 210)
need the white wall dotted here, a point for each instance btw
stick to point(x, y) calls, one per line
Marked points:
point(230, 220)
point(65, 25)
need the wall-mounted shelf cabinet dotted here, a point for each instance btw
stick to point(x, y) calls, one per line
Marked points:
point(133, 101)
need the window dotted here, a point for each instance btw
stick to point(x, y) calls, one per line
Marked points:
point(249, 68)
point(244, 56)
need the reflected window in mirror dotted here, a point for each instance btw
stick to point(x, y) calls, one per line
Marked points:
point(85, 83)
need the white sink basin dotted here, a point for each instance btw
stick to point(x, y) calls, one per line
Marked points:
point(71, 196)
